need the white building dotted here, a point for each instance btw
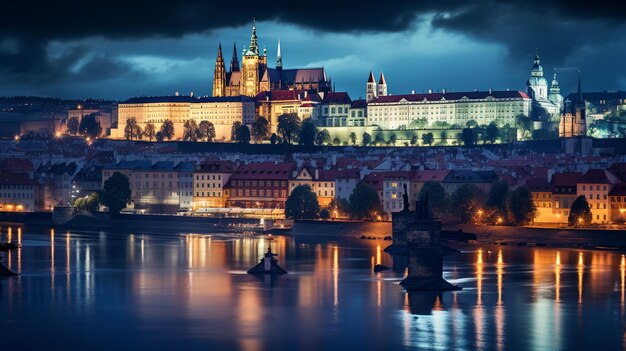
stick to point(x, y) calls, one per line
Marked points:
point(484, 107)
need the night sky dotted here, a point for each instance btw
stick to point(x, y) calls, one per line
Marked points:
point(120, 49)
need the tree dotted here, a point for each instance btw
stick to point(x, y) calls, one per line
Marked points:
point(89, 126)
point(190, 130)
point(367, 139)
point(497, 196)
point(138, 132)
point(524, 124)
point(437, 198)
point(322, 137)
point(167, 129)
point(468, 203)
point(308, 132)
point(234, 131)
point(243, 134)
point(325, 214)
point(364, 202)
point(492, 132)
point(441, 125)
point(579, 213)
point(273, 139)
point(419, 123)
point(288, 127)
point(132, 130)
point(261, 128)
point(159, 136)
point(471, 123)
point(428, 138)
point(116, 192)
point(393, 139)
point(508, 134)
point(352, 138)
point(378, 139)
point(336, 141)
point(468, 137)
point(89, 203)
point(413, 139)
point(149, 131)
point(543, 134)
point(72, 125)
point(521, 207)
point(302, 203)
point(206, 131)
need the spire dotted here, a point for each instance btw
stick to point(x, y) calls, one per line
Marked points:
point(219, 51)
point(234, 61)
point(382, 79)
point(254, 45)
point(580, 99)
point(279, 58)
point(371, 78)
point(554, 87)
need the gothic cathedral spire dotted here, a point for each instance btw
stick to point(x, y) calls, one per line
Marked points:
point(254, 44)
point(219, 74)
point(279, 58)
point(234, 61)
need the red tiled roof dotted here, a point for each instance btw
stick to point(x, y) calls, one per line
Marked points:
point(216, 167)
point(598, 176)
point(565, 179)
point(265, 170)
point(11, 178)
point(17, 165)
point(339, 174)
point(618, 190)
point(337, 98)
point(538, 185)
point(429, 175)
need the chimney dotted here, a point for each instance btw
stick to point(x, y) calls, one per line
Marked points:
point(443, 91)
point(298, 96)
point(317, 174)
point(489, 91)
point(191, 94)
point(430, 91)
point(412, 92)
point(306, 93)
point(267, 98)
point(176, 94)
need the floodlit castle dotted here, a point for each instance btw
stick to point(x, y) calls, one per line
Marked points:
point(254, 76)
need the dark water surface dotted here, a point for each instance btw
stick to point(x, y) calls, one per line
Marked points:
point(114, 291)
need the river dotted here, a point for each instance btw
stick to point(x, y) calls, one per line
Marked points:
point(120, 291)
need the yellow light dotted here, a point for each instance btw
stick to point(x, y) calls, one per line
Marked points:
point(19, 207)
point(17, 137)
point(580, 219)
point(499, 219)
point(480, 212)
point(58, 134)
point(622, 210)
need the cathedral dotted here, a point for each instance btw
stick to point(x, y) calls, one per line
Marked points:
point(547, 103)
point(574, 118)
point(254, 76)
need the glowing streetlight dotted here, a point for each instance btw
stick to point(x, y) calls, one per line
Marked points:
point(499, 220)
point(17, 137)
point(58, 135)
point(580, 220)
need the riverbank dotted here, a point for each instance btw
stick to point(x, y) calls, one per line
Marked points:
point(555, 237)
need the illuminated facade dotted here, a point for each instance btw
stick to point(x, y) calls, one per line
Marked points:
point(259, 185)
point(254, 75)
point(209, 180)
point(544, 99)
point(573, 121)
point(484, 107)
point(20, 193)
point(320, 182)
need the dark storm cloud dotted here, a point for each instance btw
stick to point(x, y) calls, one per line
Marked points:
point(27, 28)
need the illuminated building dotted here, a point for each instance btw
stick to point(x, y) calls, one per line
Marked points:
point(272, 104)
point(321, 182)
point(547, 104)
point(209, 180)
point(259, 185)
point(573, 121)
point(595, 185)
point(563, 194)
point(335, 109)
point(457, 178)
point(18, 192)
point(254, 75)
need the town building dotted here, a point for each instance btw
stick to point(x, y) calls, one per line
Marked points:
point(457, 178)
point(20, 193)
point(595, 185)
point(272, 104)
point(564, 193)
point(321, 183)
point(263, 185)
point(222, 112)
point(57, 179)
point(209, 180)
point(335, 109)
point(254, 75)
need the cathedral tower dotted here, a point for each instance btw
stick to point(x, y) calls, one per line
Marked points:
point(382, 85)
point(555, 93)
point(574, 122)
point(253, 65)
point(234, 61)
point(537, 85)
point(219, 74)
point(279, 58)
point(371, 91)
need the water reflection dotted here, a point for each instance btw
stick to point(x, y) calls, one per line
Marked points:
point(192, 290)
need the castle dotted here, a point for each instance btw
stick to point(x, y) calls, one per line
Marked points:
point(254, 76)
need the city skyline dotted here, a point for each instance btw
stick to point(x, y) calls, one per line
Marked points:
point(424, 49)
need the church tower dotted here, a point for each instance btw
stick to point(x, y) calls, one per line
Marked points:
point(574, 122)
point(555, 93)
point(219, 74)
point(382, 85)
point(537, 84)
point(371, 90)
point(279, 58)
point(253, 65)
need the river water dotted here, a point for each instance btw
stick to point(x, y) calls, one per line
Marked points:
point(120, 291)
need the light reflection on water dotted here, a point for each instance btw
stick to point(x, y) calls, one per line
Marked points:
point(76, 290)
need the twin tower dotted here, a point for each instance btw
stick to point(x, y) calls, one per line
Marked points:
point(375, 90)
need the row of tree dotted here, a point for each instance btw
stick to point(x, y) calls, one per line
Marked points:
point(87, 126)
